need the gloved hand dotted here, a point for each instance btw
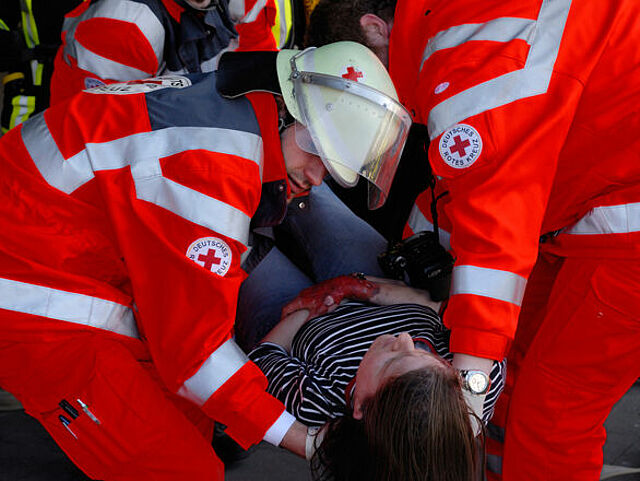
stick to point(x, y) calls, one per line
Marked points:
point(326, 296)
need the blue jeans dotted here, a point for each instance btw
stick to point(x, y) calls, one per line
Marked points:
point(334, 240)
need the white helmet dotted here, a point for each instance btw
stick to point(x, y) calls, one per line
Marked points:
point(343, 96)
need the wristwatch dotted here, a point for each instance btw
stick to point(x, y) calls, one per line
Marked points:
point(476, 382)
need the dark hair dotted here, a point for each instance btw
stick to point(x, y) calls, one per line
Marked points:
point(416, 428)
point(336, 20)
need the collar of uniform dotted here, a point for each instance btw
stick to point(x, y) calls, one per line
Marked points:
point(275, 189)
point(174, 9)
point(266, 111)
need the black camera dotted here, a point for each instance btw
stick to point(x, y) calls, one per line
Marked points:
point(421, 262)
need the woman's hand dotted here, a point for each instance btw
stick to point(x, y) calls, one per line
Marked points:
point(325, 297)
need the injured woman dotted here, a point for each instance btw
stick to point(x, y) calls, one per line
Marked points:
point(374, 372)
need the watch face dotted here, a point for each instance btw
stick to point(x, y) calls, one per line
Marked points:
point(477, 382)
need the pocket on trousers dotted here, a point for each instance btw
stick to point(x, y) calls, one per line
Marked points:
point(100, 437)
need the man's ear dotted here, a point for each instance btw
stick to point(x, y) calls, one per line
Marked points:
point(376, 31)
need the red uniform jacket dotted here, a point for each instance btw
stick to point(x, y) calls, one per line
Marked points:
point(531, 109)
point(127, 209)
point(118, 40)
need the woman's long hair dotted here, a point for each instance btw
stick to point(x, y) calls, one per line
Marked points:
point(415, 428)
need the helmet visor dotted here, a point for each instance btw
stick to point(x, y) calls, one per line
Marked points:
point(355, 129)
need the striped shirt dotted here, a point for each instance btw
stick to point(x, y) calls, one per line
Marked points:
point(325, 354)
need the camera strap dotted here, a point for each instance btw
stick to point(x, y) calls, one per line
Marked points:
point(434, 201)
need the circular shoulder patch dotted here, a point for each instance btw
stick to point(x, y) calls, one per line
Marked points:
point(90, 82)
point(460, 146)
point(211, 253)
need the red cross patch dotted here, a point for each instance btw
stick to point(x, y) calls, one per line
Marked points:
point(353, 74)
point(460, 146)
point(211, 253)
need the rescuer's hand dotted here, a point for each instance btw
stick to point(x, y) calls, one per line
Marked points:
point(326, 296)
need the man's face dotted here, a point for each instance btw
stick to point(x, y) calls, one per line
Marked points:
point(199, 4)
point(303, 169)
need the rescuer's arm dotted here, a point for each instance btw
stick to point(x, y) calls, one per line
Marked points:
point(497, 150)
point(184, 260)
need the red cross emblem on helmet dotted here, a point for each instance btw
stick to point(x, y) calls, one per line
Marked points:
point(352, 74)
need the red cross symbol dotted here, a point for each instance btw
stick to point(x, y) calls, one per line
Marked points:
point(352, 74)
point(460, 146)
point(210, 259)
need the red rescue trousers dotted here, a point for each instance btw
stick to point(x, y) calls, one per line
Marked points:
point(140, 430)
point(577, 352)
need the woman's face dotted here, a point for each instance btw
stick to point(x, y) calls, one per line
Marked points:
point(387, 358)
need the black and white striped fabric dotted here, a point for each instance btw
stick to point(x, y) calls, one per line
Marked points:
point(326, 352)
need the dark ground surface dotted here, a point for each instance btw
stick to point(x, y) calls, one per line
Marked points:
point(27, 453)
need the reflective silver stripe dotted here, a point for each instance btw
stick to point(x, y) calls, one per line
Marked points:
point(143, 152)
point(192, 205)
point(105, 68)
point(65, 175)
point(613, 219)
point(223, 363)
point(252, 14)
point(68, 23)
point(502, 29)
point(126, 11)
point(67, 306)
point(236, 10)
point(496, 284)
point(418, 222)
point(532, 80)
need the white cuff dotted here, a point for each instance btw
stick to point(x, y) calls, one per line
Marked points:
point(278, 429)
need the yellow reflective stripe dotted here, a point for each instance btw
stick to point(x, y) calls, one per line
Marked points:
point(12, 76)
point(29, 24)
point(23, 107)
point(3, 26)
point(288, 14)
point(275, 30)
point(283, 26)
